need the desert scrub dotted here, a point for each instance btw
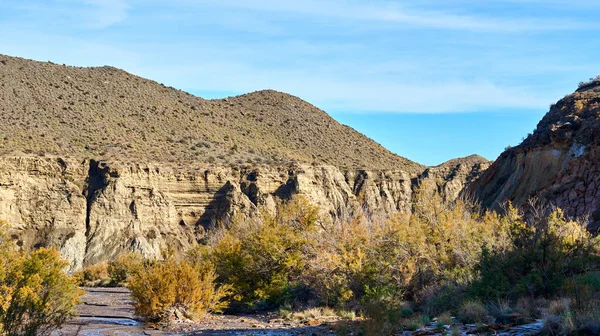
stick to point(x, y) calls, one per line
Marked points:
point(472, 312)
point(93, 275)
point(263, 257)
point(170, 289)
point(36, 296)
point(124, 267)
point(540, 259)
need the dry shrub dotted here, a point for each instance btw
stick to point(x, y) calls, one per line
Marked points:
point(263, 257)
point(435, 249)
point(472, 312)
point(123, 267)
point(176, 288)
point(36, 295)
point(92, 275)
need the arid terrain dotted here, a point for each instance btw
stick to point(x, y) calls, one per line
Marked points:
point(264, 207)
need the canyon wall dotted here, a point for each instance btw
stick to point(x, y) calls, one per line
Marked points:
point(94, 210)
point(559, 163)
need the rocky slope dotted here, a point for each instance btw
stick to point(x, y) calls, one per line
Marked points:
point(107, 113)
point(559, 162)
point(97, 162)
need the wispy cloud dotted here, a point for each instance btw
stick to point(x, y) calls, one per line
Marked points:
point(95, 14)
point(399, 14)
point(104, 13)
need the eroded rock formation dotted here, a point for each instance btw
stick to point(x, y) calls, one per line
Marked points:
point(93, 210)
point(559, 163)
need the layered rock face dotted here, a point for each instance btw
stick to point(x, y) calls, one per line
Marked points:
point(93, 211)
point(559, 163)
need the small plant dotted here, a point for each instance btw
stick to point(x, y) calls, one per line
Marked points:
point(472, 312)
point(347, 314)
point(445, 318)
point(92, 275)
point(123, 267)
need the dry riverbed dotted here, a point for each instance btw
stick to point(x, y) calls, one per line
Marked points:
point(109, 311)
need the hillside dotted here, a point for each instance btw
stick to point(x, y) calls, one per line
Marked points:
point(559, 162)
point(106, 113)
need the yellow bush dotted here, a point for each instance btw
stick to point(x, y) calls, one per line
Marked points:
point(263, 257)
point(123, 267)
point(36, 296)
point(92, 275)
point(163, 290)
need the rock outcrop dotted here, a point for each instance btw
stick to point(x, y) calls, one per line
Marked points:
point(559, 163)
point(94, 210)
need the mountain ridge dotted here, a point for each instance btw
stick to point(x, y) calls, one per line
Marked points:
point(105, 112)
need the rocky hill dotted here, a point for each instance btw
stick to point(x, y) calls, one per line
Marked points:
point(97, 161)
point(559, 162)
point(107, 113)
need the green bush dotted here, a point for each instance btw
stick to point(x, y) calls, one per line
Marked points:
point(472, 312)
point(263, 257)
point(542, 256)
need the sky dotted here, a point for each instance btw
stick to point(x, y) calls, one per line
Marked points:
point(430, 80)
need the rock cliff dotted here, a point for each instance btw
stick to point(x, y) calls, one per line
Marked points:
point(559, 163)
point(94, 210)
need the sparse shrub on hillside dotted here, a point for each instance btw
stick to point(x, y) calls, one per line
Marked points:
point(36, 296)
point(176, 289)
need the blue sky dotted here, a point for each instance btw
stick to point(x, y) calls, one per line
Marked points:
point(431, 80)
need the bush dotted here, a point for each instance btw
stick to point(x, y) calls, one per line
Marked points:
point(472, 312)
point(92, 275)
point(541, 257)
point(36, 296)
point(263, 257)
point(123, 267)
point(176, 289)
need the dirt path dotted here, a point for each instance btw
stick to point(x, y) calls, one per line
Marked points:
point(109, 311)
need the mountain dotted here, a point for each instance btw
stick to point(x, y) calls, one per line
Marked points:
point(97, 161)
point(107, 113)
point(559, 163)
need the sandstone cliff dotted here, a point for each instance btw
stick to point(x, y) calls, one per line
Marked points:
point(94, 210)
point(559, 162)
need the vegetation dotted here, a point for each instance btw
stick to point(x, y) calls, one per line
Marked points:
point(443, 259)
point(175, 288)
point(36, 296)
point(93, 275)
point(399, 272)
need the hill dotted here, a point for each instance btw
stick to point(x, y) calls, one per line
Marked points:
point(107, 113)
point(559, 162)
